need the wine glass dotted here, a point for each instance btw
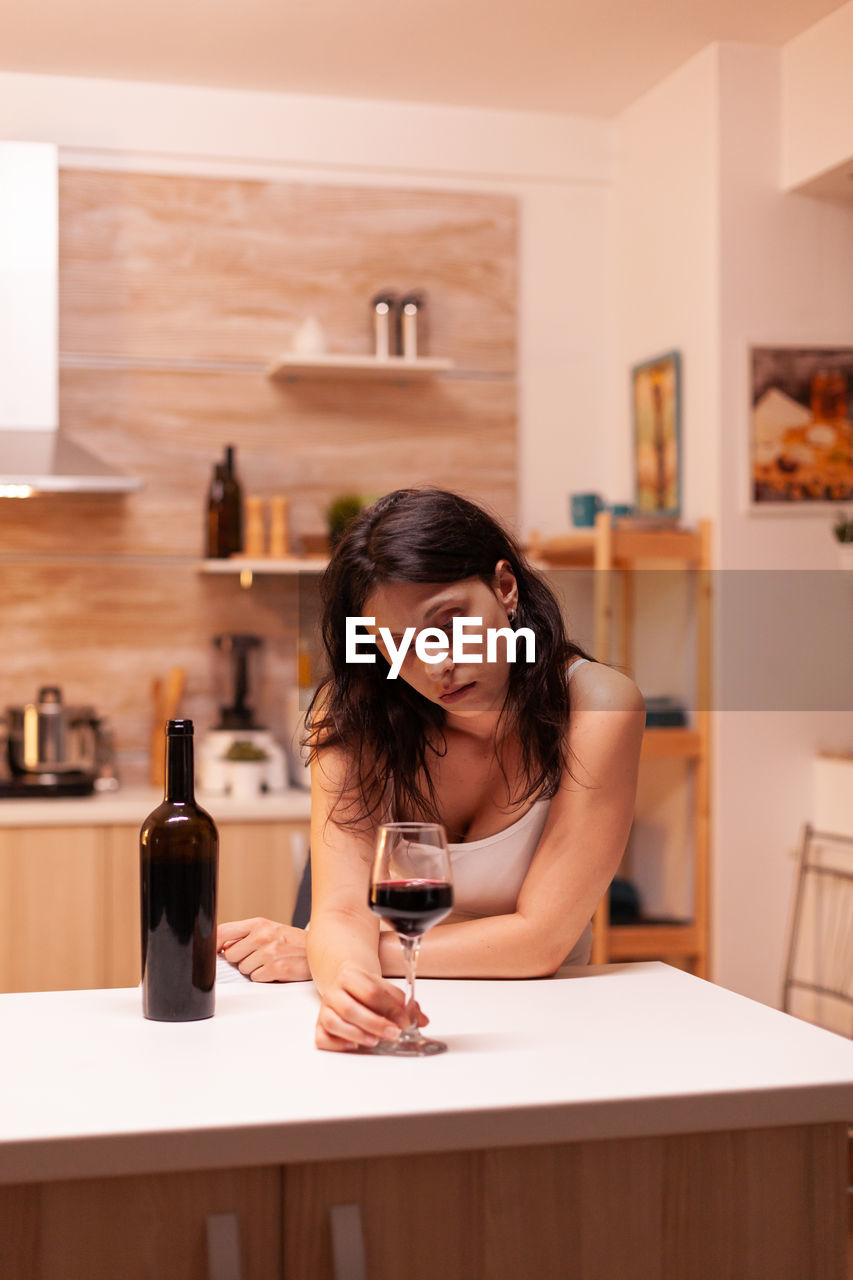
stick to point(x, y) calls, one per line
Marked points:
point(411, 888)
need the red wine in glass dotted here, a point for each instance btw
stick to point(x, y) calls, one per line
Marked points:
point(410, 887)
point(411, 906)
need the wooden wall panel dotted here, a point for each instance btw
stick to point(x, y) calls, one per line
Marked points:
point(310, 441)
point(166, 267)
point(175, 292)
point(104, 631)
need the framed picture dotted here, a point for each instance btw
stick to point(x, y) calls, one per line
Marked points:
point(800, 438)
point(656, 403)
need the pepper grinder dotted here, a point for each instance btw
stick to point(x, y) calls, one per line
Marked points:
point(254, 543)
point(279, 540)
point(410, 326)
point(382, 307)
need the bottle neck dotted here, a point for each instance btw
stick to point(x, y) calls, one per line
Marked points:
point(179, 769)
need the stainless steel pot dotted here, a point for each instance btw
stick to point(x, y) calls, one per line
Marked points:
point(46, 737)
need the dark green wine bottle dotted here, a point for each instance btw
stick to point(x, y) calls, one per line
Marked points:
point(224, 525)
point(233, 505)
point(178, 857)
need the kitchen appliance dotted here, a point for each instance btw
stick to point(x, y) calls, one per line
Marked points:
point(34, 457)
point(239, 756)
point(52, 749)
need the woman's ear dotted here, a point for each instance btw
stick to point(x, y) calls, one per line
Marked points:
point(506, 586)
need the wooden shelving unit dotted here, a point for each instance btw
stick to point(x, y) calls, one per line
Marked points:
point(618, 552)
point(291, 367)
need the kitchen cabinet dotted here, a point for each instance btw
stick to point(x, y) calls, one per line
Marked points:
point(157, 1226)
point(53, 926)
point(69, 897)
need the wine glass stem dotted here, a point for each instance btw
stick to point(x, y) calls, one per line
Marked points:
point(411, 947)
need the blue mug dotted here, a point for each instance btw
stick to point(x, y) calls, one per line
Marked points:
point(617, 509)
point(584, 508)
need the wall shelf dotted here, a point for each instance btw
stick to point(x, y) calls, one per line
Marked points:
point(618, 544)
point(623, 548)
point(291, 367)
point(249, 565)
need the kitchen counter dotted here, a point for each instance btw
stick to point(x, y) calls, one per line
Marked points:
point(612, 1061)
point(615, 1052)
point(130, 805)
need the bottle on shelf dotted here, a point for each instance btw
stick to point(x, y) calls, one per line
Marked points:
point(224, 510)
point(178, 862)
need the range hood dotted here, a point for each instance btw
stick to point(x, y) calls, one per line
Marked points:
point(34, 455)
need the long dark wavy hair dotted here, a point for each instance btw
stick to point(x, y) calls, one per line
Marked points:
point(388, 731)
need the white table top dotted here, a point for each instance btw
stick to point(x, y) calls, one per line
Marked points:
point(129, 806)
point(88, 1087)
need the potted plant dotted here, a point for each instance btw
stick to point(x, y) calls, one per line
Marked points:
point(340, 513)
point(246, 769)
point(843, 530)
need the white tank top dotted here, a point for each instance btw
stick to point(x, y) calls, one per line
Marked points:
point(488, 873)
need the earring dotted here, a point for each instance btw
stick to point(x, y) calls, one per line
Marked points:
point(511, 616)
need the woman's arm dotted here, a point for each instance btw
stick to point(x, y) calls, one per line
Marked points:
point(576, 858)
point(358, 1005)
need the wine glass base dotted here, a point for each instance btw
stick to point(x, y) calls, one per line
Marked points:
point(418, 1047)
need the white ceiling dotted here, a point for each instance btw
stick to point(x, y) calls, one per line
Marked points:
point(589, 58)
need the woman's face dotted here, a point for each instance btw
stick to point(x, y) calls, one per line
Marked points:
point(466, 689)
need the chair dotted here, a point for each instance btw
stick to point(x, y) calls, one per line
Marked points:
point(818, 984)
point(302, 906)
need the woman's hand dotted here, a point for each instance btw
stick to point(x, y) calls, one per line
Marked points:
point(264, 950)
point(360, 1009)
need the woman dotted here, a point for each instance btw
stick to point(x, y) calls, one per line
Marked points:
point(531, 767)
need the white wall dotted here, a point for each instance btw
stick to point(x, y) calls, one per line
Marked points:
point(786, 277)
point(665, 286)
point(666, 259)
point(559, 167)
point(712, 255)
point(817, 99)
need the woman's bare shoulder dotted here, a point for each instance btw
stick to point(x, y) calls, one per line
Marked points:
point(597, 687)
